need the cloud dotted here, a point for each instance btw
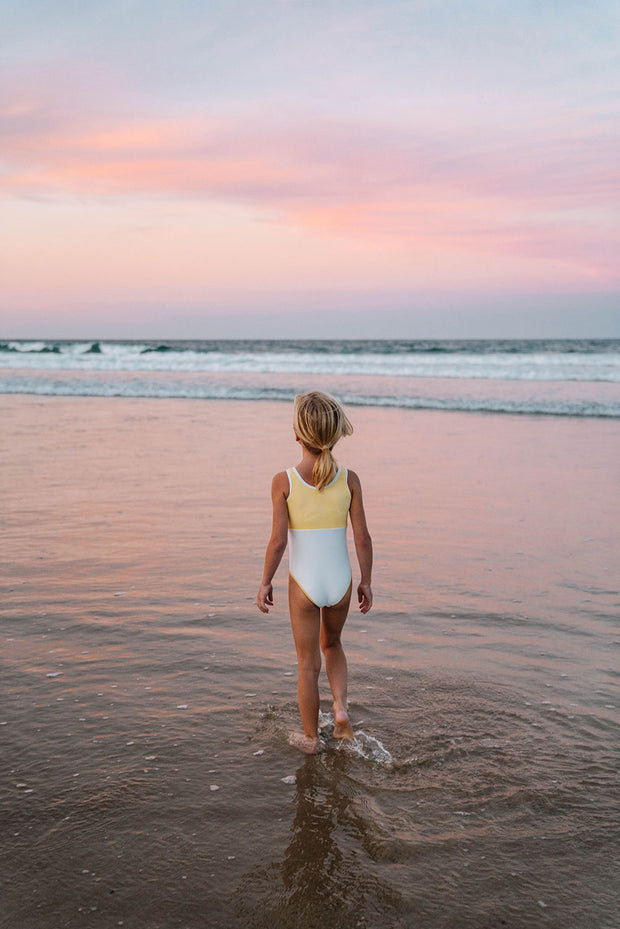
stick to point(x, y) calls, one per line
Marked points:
point(542, 191)
point(287, 158)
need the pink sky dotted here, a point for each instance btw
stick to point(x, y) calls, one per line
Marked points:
point(221, 195)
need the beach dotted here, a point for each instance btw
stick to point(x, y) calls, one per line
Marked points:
point(146, 776)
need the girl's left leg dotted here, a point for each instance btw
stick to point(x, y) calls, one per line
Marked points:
point(306, 623)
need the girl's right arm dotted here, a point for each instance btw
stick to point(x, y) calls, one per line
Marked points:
point(277, 543)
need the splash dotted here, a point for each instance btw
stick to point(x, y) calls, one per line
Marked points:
point(364, 745)
point(368, 747)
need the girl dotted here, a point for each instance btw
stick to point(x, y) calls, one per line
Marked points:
point(311, 504)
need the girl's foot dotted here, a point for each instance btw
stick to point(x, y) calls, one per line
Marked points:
point(342, 726)
point(306, 743)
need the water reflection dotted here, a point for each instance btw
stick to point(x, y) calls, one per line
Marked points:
point(326, 877)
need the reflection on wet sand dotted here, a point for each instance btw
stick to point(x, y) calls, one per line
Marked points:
point(325, 878)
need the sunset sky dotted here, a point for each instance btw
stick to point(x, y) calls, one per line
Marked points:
point(247, 168)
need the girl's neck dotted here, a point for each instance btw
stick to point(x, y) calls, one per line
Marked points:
point(306, 465)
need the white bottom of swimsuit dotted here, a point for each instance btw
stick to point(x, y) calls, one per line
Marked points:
point(319, 562)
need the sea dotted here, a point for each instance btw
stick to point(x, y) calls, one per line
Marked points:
point(146, 780)
point(557, 377)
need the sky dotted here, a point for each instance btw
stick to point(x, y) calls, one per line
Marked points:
point(310, 168)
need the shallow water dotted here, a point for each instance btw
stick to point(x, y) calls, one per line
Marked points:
point(147, 784)
point(146, 776)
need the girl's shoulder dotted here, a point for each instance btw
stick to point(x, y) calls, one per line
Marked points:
point(353, 480)
point(280, 484)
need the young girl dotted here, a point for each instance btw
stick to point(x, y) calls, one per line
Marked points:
point(311, 504)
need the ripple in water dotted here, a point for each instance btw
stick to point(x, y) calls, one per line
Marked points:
point(475, 807)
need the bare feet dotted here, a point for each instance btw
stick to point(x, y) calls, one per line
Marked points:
point(342, 726)
point(305, 743)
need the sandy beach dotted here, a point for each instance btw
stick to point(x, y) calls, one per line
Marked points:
point(146, 778)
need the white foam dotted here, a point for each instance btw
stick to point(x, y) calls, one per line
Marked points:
point(526, 366)
point(370, 748)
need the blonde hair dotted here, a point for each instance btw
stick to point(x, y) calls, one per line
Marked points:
point(319, 421)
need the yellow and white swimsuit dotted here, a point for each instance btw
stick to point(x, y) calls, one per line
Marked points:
point(317, 536)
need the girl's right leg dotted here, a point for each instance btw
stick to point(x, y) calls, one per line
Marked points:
point(332, 621)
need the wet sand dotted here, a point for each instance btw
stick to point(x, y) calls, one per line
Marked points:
point(146, 702)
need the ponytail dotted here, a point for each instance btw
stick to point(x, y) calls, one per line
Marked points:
point(325, 468)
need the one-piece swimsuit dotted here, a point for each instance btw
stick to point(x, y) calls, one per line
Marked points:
point(317, 533)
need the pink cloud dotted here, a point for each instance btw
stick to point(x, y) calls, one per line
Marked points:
point(545, 196)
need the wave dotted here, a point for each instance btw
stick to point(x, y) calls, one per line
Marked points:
point(321, 346)
point(560, 378)
point(175, 389)
point(527, 361)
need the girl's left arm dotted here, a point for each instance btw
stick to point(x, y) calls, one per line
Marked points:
point(277, 543)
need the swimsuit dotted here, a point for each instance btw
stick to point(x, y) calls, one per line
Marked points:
point(317, 535)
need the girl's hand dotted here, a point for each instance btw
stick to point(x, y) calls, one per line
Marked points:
point(264, 598)
point(364, 597)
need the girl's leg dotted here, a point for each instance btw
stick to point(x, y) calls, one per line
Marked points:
point(305, 623)
point(333, 619)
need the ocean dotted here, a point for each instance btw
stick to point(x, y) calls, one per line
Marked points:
point(146, 780)
point(558, 377)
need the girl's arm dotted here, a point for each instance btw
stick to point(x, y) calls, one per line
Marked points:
point(363, 542)
point(277, 543)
